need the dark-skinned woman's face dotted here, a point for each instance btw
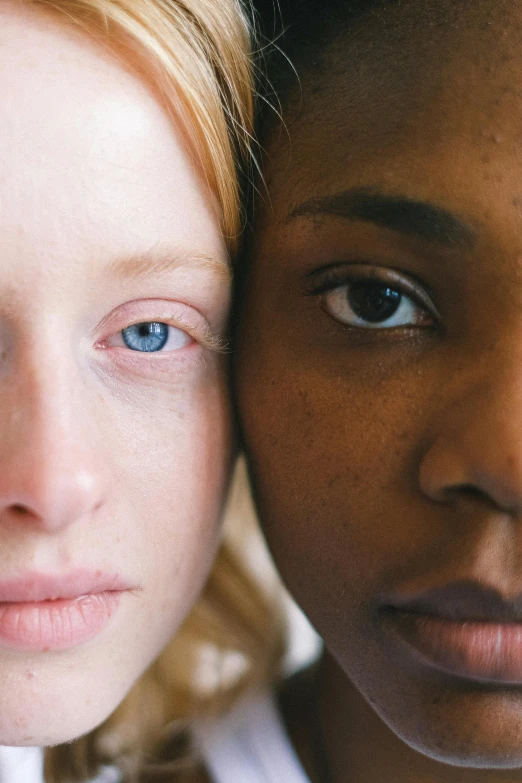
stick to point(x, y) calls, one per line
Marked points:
point(379, 375)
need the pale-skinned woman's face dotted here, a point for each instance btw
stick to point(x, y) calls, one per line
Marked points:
point(115, 436)
point(379, 371)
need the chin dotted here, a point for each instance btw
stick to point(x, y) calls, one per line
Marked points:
point(482, 755)
point(478, 730)
point(30, 731)
point(53, 704)
point(46, 727)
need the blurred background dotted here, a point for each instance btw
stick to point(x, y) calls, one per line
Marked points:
point(242, 527)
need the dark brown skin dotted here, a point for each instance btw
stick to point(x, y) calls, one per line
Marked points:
point(389, 460)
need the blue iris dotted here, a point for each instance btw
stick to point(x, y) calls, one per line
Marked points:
point(148, 336)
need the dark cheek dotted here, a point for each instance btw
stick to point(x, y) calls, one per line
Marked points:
point(330, 436)
point(313, 494)
point(334, 468)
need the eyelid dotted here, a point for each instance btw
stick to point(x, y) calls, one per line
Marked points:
point(159, 311)
point(336, 275)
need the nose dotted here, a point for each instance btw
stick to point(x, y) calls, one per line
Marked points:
point(50, 469)
point(475, 448)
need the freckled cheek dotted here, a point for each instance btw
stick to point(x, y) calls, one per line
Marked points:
point(180, 559)
point(171, 426)
point(335, 487)
point(173, 467)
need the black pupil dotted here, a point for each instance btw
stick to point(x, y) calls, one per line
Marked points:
point(373, 302)
point(145, 330)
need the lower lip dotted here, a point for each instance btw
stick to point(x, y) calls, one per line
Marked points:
point(482, 651)
point(42, 626)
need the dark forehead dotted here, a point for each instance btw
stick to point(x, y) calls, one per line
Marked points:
point(395, 48)
point(408, 77)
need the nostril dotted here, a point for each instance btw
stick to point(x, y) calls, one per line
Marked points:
point(470, 492)
point(20, 510)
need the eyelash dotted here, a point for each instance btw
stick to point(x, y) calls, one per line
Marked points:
point(154, 311)
point(327, 280)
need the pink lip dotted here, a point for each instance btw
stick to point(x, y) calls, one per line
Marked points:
point(481, 651)
point(466, 629)
point(40, 612)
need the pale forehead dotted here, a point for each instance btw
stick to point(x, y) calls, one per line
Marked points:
point(58, 82)
point(92, 161)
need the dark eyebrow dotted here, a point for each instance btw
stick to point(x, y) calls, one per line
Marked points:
point(415, 218)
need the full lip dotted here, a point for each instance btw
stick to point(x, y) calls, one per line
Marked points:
point(460, 601)
point(464, 629)
point(50, 613)
point(35, 587)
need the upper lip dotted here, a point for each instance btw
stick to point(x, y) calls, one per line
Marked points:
point(33, 586)
point(461, 601)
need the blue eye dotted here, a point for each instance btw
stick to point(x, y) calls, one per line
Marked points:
point(146, 337)
point(150, 337)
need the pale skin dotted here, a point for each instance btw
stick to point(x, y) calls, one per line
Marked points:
point(111, 459)
point(387, 456)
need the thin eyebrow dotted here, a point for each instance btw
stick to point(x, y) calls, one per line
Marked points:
point(160, 261)
point(399, 213)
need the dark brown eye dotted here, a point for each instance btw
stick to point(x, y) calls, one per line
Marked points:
point(373, 304)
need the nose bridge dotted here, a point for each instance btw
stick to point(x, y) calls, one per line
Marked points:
point(43, 409)
point(477, 440)
point(48, 460)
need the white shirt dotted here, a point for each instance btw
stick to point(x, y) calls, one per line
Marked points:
point(250, 745)
point(25, 765)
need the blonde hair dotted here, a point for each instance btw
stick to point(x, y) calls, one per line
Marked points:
point(197, 53)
